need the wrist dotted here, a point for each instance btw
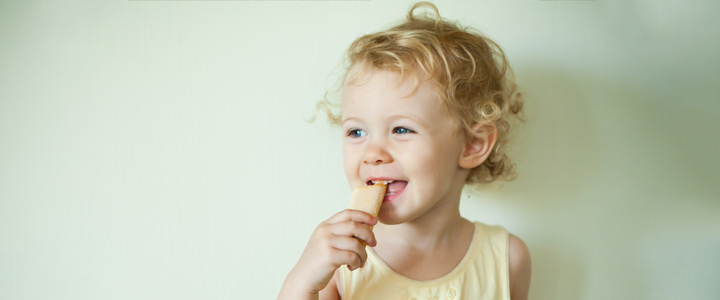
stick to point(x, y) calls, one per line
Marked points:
point(295, 288)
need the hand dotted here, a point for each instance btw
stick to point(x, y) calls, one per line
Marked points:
point(337, 241)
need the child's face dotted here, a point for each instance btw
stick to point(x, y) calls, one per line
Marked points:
point(394, 134)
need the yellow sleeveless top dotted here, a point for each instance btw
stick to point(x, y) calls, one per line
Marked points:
point(481, 274)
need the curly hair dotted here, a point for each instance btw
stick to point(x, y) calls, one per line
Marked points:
point(472, 75)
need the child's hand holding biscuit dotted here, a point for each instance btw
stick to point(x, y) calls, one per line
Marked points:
point(340, 240)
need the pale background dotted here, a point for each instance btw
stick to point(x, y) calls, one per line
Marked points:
point(159, 150)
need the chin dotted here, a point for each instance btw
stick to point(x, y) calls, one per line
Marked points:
point(394, 217)
point(388, 218)
point(396, 211)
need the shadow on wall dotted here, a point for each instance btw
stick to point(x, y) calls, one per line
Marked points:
point(556, 162)
point(601, 166)
point(557, 273)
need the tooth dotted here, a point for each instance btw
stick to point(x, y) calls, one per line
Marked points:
point(385, 182)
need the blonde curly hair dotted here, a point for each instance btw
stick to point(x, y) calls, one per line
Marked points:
point(473, 78)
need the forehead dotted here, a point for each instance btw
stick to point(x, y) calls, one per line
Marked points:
point(389, 89)
point(359, 77)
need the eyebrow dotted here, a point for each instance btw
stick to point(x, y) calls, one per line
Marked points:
point(392, 118)
point(349, 119)
point(411, 118)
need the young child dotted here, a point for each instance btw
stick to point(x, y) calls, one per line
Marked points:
point(426, 105)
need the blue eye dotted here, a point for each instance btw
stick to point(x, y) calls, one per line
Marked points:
point(402, 130)
point(356, 133)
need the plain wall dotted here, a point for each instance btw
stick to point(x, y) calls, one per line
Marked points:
point(160, 149)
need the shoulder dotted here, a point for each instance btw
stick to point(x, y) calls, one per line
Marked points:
point(519, 267)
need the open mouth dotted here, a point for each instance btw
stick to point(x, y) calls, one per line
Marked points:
point(394, 187)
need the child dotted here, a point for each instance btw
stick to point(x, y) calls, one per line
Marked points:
point(427, 106)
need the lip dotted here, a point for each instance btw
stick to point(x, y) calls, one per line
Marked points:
point(388, 196)
point(391, 197)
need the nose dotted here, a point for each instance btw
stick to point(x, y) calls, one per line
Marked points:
point(376, 155)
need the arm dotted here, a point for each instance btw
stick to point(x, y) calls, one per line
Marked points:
point(520, 268)
point(291, 289)
point(331, 291)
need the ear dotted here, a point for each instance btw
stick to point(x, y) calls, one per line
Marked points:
point(479, 146)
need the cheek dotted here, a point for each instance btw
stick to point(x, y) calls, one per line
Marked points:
point(441, 156)
point(350, 161)
point(427, 165)
point(437, 165)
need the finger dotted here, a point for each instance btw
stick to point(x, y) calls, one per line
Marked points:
point(354, 229)
point(350, 244)
point(349, 258)
point(352, 215)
